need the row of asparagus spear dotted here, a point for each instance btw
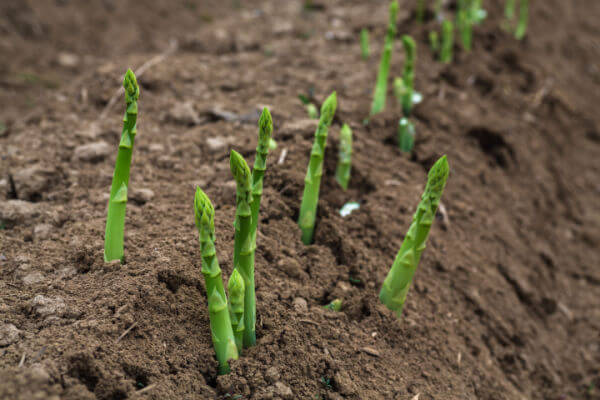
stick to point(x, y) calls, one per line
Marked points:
point(232, 313)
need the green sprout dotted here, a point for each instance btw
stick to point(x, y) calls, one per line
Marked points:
point(364, 44)
point(335, 305)
point(312, 181)
point(115, 219)
point(380, 93)
point(509, 9)
point(447, 42)
point(434, 41)
point(523, 19)
point(236, 290)
point(344, 165)
point(420, 11)
point(397, 283)
point(465, 24)
point(406, 135)
point(244, 246)
point(312, 111)
point(408, 76)
point(220, 322)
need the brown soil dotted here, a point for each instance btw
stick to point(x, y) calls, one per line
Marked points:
point(505, 304)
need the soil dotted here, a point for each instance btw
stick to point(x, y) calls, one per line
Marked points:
point(505, 303)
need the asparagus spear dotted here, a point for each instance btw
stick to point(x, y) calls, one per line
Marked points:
point(342, 172)
point(408, 76)
point(406, 135)
point(447, 42)
point(465, 23)
point(380, 94)
point(265, 129)
point(395, 287)
point(115, 219)
point(523, 18)
point(434, 41)
point(364, 43)
point(420, 11)
point(312, 181)
point(236, 289)
point(220, 323)
point(244, 246)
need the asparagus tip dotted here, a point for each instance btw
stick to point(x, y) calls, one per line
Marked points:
point(132, 90)
point(328, 108)
point(203, 210)
point(239, 169)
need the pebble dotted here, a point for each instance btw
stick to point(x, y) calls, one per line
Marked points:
point(217, 143)
point(68, 60)
point(184, 113)
point(272, 375)
point(9, 334)
point(291, 267)
point(42, 231)
point(141, 195)
point(30, 183)
point(156, 148)
point(18, 210)
point(38, 373)
point(48, 306)
point(298, 127)
point(345, 383)
point(33, 278)
point(228, 190)
point(284, 391)
point(300, 305)
point(92, 152)
point(371, 351)
point(66, 272)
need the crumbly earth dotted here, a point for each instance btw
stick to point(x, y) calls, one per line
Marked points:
point(505, 304)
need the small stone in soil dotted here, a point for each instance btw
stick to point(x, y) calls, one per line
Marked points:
point(92, 152)
point(48, 306)
point(9, 334)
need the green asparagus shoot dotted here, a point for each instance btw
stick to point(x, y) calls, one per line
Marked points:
point(438, 9)
point(406, 135)
point(115, 219)
point(434, 41)
point(408, 76)
point(397, 283)
point(335, 305)
point(312, 181)
point(465, 25)
point(312, 111)
point(523, 19)
point(220, 322)
point(509, 9)
point(342, 172)
point(478, 14)
point(380, 93)
point(244, 246)
point(236, 289)
point(364, 44)
point(447, 42)
point(420, 10)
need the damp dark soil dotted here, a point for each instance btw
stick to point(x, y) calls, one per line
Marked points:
point(506, 301)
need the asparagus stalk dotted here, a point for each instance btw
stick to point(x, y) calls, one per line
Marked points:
point(408, 76)
point(434, 41)
point(447, 42)
point(464, 24)
point(335, 305)
point(523, 19)
point(312, 181)
point(509, 9)
point(115, 219)
point(244, 246)
point(364, 44)
point(420, 11)
point(380, 93)
point(406, 135)
point(220, 323)
point(342, 172)
point(236, 289)
point(397, 283)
